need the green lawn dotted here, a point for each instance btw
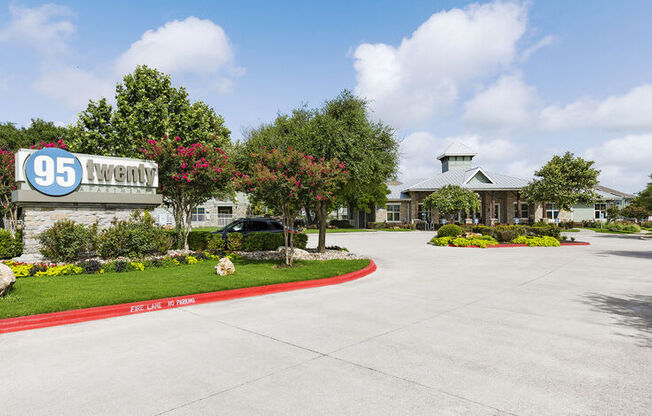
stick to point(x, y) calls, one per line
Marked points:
point(600, 230)
point(33, 295)
point(211, 229)
point(572, 230)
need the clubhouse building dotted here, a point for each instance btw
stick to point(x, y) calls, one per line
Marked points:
point(500, 196)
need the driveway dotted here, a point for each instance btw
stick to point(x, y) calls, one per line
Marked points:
point(435, 331)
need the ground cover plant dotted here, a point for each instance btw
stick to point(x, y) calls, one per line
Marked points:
point(531, 241)
point(58, 293)
point(481, 242)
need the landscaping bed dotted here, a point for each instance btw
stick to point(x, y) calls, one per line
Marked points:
point(44, 294)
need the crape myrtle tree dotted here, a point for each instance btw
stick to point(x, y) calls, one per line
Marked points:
point(288, 180)
point(189, 176)
point(147, 107)
point(8, 183)
point(564, 181)
point(342, 129)
point(637, 212)
point(451, 199)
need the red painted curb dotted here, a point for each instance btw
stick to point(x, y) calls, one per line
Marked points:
point(43, 320)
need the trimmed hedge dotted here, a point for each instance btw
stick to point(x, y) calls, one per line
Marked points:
point(10, 246)
point(198, 240)
point(449, 230)
point(253, 242)
point(340, 224)
point(506, 233)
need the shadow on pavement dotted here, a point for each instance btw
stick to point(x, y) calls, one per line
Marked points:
point(627, 253)
point(634, 311)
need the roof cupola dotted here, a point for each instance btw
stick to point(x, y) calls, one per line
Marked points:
point(456, 156)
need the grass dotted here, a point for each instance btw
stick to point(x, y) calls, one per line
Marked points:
point(34, 295)
point(601, 230)
point(210, 229)
point(572, 230)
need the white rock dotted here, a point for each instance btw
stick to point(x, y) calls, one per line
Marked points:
point(225, 267)
point(7, 279)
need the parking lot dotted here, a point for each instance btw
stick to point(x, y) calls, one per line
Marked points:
point(436, 330)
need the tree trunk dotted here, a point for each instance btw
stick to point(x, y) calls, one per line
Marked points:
point(186, 228)
point(321, 217)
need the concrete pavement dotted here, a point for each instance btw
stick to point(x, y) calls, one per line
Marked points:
point(436, 330)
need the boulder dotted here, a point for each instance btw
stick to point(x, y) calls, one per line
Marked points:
point(7, 279)
point(225, 267)
point(299, 254)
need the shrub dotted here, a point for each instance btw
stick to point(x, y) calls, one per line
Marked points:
point(198, 240)
point(566, 225)
point(67, 241)
point(134, 237)
point(481, 242)
point(545, 241)
point(505, 233)
point(234, 241)
point(340, 224)
point(262, 241)
point(545, 230)
point(216, 244)
point(449, 230)
point(441, 241)
point(622, 227)
point(10, 246)
point(590, 224)
point(90, 266)
point(646, 224)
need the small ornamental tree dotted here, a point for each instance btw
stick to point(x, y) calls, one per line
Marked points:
point(636, 212)
point(564, 181)
point(278, 180)
point(7, 185)
point(644, 198)
point(452, 199)
point(188, 177)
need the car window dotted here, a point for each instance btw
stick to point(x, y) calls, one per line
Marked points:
point(237, 227)
point(275, 225)
point(256, 226)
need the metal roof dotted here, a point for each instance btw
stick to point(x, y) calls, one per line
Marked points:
point(460, 177)
point(609, 193)
point(457, 149)
point(396, 192)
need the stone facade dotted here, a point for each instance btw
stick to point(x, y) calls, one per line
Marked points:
point(37, 220)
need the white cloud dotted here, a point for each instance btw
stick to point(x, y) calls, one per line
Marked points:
point(411, 83)
point(73, 87)
point(632, 110)
point(506, 103)
point(419, 153)
point(189, 46)
point(625, 162)
point(46, 28)
point(545, 41)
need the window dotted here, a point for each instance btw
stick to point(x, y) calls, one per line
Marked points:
point(497, 211)
point(225, 210)
point(393, 212)
point(198, 214)
point(551, 211)
point(524, 210)
point(600, 208)
point(423, 213)
point(256, 226)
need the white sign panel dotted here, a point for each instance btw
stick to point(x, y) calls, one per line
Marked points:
point(95, 170)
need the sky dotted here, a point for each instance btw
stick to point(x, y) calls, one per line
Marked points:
point(518, 81)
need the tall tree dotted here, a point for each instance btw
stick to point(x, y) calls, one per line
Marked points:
point(451, 199)
point(564, 181)
point(644, 198)
point(13, 138)
point(341, 129)
point(147, 107)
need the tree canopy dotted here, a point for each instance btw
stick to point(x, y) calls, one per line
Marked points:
point(564, 181)
point(13, 138)
point(451, 199)
point(644, 198)
point(147, 107)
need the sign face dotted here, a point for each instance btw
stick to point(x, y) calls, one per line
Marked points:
point(476, 221)
point(557, 220)
point(601, 215)
point(515, 220)
point(53, 171)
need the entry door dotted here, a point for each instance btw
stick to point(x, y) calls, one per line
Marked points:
point(497, 211)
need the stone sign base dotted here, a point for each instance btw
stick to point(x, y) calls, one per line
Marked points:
point(38, 219)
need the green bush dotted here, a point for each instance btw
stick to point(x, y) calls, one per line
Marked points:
point(481, 242)
point(449, 230)
point(441, 241)
point(67, 241)
point(135, 237)
point(505, 233)
point(545, 241)
point(622, 227)
point(10, 246)
point(545, 230)
point(234, 241)
point(646, 224)
point(263, 241)
point(216, 244)
point(198, 240)
point(340, 224)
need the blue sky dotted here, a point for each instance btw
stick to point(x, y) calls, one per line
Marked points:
point(518, 81)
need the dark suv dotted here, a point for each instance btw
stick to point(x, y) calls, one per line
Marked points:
point(252, 225)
